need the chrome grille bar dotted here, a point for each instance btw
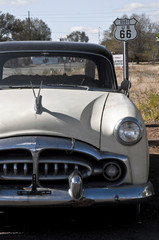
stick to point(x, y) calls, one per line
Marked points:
point(46, 169)
point(15, 169)
point(55, 168)
point(66, 168)
point(76, 167)
point(25, 169)
point(5, 169)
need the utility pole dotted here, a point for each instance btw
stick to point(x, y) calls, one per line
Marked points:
point(29, 27)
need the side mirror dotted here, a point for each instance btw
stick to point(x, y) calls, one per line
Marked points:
point(126, 85)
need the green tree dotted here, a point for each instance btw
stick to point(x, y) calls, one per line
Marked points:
point(28, 29)
point(33, 29)
point(77, 36)
point(9, 25)
point(143, 47)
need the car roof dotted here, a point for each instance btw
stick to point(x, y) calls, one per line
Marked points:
point(55, 46)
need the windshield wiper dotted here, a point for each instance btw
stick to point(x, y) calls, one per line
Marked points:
point(17, 86)
point(68, 86)
point(45, 86)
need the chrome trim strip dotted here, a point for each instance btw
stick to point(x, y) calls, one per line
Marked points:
point(40, 143)
point(90, 196)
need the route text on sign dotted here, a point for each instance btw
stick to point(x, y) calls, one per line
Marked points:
point(125, 29)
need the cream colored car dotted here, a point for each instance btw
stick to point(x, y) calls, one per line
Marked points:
point(68, 133)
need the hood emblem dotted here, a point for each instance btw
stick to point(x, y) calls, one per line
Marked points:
point(38, 99)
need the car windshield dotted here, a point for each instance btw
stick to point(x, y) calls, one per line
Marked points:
point(56, 69)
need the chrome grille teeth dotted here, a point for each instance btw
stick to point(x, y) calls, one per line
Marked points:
point(55, 169)
point(66, 168)
point(76, 167)
point(15, 169)
point(5, 169)
point(46, 169)
point(25, 169)
point(61, 170)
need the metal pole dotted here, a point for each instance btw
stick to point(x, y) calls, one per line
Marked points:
point(29, 26)
point(125, 61)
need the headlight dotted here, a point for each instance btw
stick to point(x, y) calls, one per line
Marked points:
point(128, 131)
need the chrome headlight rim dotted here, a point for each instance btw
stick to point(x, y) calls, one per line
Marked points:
point(128, 120)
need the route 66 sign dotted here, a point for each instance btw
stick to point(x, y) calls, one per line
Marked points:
point(125, 29)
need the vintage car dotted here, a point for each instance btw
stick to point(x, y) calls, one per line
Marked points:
point(68, 134)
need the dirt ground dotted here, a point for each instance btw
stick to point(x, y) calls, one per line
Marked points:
point(144, 78)
point(153, 134)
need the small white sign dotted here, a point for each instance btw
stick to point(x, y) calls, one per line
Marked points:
point(118, 60)
point(125, 29)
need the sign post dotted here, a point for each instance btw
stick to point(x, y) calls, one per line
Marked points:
point(125, 30)
point(125, 61)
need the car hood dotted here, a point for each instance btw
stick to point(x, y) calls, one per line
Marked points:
point(67, 113)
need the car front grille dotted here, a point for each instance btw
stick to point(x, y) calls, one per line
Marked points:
point(52, 165)
point(50, 159)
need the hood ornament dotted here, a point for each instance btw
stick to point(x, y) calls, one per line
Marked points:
point(38, 99)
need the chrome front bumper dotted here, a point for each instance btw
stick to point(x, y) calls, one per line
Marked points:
point(90, 196)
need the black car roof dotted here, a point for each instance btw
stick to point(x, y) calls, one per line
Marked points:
point(57, 46)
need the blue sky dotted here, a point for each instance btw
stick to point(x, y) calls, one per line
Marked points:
point(91, 16)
